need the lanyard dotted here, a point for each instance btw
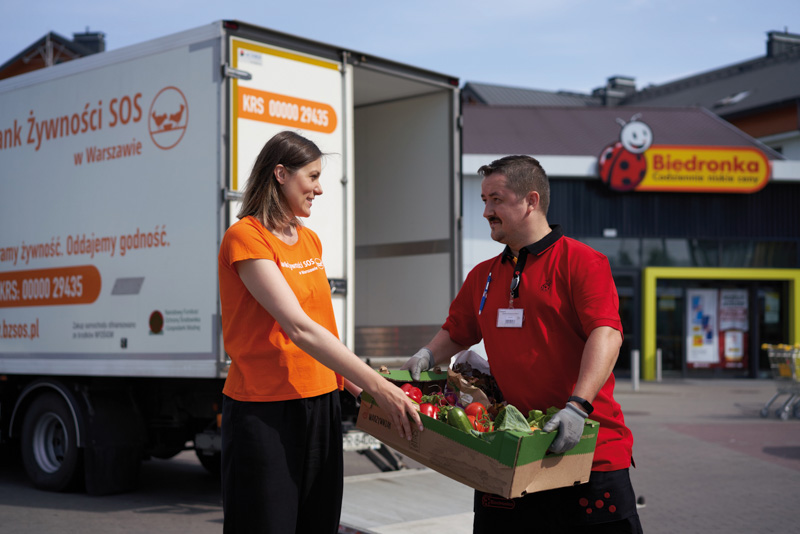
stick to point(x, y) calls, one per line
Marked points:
point(516, 279)
point(514, 288)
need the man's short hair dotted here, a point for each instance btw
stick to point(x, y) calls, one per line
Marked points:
point(523, 174)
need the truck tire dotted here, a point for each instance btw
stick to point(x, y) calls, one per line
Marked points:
point(49, 444)
point(212, 462)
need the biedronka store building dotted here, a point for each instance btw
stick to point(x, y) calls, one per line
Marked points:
point(700, 222)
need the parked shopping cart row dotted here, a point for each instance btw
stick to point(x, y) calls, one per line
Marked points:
point(784, 362)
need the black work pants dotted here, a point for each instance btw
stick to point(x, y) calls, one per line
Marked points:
point(604, 505)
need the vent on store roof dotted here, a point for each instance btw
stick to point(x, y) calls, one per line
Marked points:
point(732, 99)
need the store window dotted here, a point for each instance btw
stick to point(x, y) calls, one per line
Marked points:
point(704, 253)
point(620, 252)
point(769, 254)
point(666, 252)
point(673, 252)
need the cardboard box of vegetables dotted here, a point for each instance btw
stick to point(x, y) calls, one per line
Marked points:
point(479, 441)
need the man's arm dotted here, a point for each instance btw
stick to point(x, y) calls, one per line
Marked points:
point(598, 359)
point(443, 348)
point(437, 352)
point(597, 362)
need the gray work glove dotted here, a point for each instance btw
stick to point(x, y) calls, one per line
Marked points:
point(569, 423)
point(421, 361)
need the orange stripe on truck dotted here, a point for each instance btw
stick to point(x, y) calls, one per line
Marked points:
point(50, 287)
point(286, 110)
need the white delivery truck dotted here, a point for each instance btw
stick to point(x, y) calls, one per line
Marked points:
point(120, 172)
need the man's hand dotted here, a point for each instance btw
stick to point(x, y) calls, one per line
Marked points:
point(421, 361)
point(569, 423)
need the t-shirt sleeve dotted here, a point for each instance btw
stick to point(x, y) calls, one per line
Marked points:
point(315, 239)
point(243, 242)
point(595, 294)
point(462, 321)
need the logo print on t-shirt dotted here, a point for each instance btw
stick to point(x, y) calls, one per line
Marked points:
point(307, 266)
point(546, 286)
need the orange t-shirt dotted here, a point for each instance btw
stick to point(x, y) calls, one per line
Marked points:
point(265, 364)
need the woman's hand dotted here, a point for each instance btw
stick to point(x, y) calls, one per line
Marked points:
point(398, 406)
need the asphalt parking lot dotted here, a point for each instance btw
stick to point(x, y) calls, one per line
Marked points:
point(706, 462)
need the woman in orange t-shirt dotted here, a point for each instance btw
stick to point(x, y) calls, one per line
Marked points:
point(281, 418)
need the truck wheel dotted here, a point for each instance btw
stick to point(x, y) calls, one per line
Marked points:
point(212, 462)
point(49, 444)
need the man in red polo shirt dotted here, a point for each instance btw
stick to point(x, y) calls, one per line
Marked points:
point(547, 310)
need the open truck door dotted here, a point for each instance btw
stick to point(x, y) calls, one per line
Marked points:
point(388, 218)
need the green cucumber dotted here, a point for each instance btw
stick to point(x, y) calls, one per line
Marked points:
point(456, 417)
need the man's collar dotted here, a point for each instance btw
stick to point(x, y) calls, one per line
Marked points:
point(540, 246)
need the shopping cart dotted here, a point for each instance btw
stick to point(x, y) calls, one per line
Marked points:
point(784, 362)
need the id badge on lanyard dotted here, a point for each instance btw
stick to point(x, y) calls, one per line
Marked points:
point(510, 317)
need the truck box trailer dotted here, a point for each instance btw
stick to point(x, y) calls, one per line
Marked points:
point(121, 172)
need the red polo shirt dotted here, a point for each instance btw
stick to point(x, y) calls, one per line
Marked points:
point(566, 290)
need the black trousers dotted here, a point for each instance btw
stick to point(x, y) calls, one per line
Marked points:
point(282, 466)
point(604, 505)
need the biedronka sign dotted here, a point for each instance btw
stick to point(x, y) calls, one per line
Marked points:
point(634, 164)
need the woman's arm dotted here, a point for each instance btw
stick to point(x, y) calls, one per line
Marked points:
point(264, 280)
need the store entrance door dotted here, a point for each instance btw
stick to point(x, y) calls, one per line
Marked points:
point(716, 327)
point(771, 320)
point(670, 330)
point(713, 321)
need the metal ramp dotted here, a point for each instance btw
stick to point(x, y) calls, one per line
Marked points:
point(405, 501)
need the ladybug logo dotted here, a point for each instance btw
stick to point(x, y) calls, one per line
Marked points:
point(622, 164)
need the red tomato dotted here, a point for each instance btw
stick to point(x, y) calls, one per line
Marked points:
point(429, 409)
point(481, 425)
point(476, 409)
point(407, 386)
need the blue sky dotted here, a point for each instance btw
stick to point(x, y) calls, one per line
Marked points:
point(553, 45)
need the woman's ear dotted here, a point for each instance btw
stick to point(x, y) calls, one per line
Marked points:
point(280, 173)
